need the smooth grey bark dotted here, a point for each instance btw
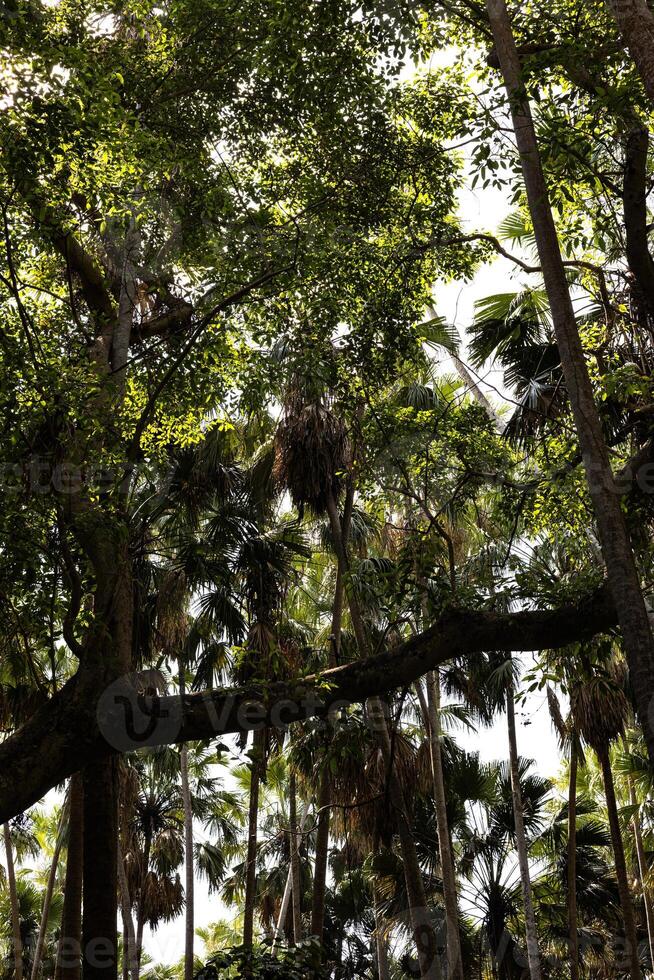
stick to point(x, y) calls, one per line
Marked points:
point(572, 858)
point(47, 900)
point(643, 869)
point(381, 943)
point(295, 862)
point(614, 540)
point(531, 932)
point(430, 705)
point(189, 869)
point(253, 826)
point(324, 789)
point(130, 959)
point(17, 945)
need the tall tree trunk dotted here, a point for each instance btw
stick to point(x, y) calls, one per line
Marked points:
point(47, 900)
point(130, 959)
point(99, 935)
point(422, 927)
point(69, 951)
point(381, 943)
point(612, 531)
point(17, 945)
point(321, 857)
point(324, 790)
point(636, 24)
point(140, 915)
point(642, 870)
point(295, 862)
point(531, 932)
point(454, 958)
point(189, 872)
point(626, 904)
point(572, 858)
point(258, 743)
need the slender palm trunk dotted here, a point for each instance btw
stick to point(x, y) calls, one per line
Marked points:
point(13, 899)
point(322, 855)
point(69, 951)
point(140, 915)
point(531, 932)
point(422, 927)
point(642, 870)
point(381, 944)
point(618, 557)
point(253, 823)
point(99, 935)
point(324, 790)
point(631, 941)
point(188, 865)
point(288, 887)
point(572, 859)
point(189, 872)
point(47, 901)
point(454, 958)
point(130, 959)
point(295, 862)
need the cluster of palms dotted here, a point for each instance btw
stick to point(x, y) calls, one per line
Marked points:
point(351, 830)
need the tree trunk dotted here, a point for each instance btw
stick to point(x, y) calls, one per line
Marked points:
point(322, 855)
point(69, 951)
point(381, 944)
point(422, 927)
point(636, 24)
point(572, 859)
point(324, 791)
point(612, 531)
point(189, 873)
point(47, 901)
point(626, 904)
point(251, 859)
point(17, 945)
point(454, 958)
point(288, 888)
point(295, 863)
point(140, 917)
point(99, 935)
point(531, 932)
point(642, 870)
point(130, 959)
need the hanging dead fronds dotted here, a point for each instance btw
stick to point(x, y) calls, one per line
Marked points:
point(311, 454)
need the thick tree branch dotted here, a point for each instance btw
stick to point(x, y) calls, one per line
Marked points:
point(91, 717)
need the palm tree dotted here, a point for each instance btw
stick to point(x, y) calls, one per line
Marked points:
point(568, 735)
point(49, 891)
point(313, 454)
point(17, 945)
point(601, 711)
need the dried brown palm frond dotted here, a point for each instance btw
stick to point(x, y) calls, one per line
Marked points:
point(163, 898)
point(601, 708)
point(556, 717)
point(172, 613)
point(361, 790)
point(311, 453)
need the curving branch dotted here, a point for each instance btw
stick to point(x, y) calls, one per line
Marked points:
point(94, 716)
